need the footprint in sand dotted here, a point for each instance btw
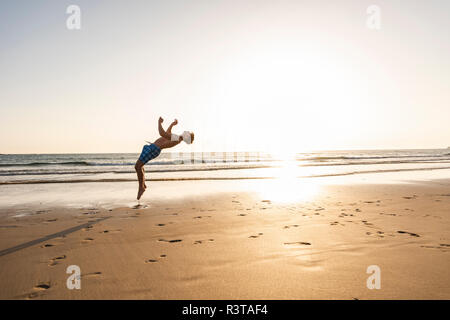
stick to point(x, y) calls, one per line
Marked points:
point(151, 260)
point(51, 220)
point(410, 233)
point(170, 241)
point(110, 231)
point(55, 261)
point(298, 242)
point(39, 290)
point(291, 226)
point(442, 246)
point(87, 240)
point(200, 217)
point(388, 214)
point(242, 214)
point(47, 245)
point(256, 236)
point(163, 224)
point(42, 286)
point(201, 241)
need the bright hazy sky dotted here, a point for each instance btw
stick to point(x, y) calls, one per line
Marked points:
point(242, 74)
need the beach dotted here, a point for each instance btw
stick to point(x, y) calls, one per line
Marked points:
point(225, 150)
point(240, 239)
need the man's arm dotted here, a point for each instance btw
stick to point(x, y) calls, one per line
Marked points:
point(162, 132)
point(169, 129)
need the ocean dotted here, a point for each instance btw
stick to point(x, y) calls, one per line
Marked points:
point(116, 167)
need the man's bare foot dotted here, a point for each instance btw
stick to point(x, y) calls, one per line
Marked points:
point(140, 193)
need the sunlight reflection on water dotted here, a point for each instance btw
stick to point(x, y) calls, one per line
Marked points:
point(287, 187)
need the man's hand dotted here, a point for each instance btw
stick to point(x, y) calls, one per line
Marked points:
point(160, 120)
point(175, 122)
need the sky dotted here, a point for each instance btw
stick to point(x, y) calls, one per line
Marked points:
point(244, 75)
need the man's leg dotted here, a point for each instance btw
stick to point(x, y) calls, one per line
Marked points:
point(143, 175)
point(139, 167)
point(166, 133)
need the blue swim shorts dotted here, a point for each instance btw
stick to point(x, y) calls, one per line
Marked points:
point(149, 152)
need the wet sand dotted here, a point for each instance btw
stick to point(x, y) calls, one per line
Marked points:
point(236, 245)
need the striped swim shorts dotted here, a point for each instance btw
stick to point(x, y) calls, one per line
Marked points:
point(149, 152)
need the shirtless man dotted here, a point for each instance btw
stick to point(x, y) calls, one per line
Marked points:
point(152, 150)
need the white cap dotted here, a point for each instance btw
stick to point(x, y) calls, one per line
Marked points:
point(187, 137)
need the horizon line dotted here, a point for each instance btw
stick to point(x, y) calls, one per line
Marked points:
point(247, 151)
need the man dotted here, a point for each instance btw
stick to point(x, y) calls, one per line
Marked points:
point(152, 150)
